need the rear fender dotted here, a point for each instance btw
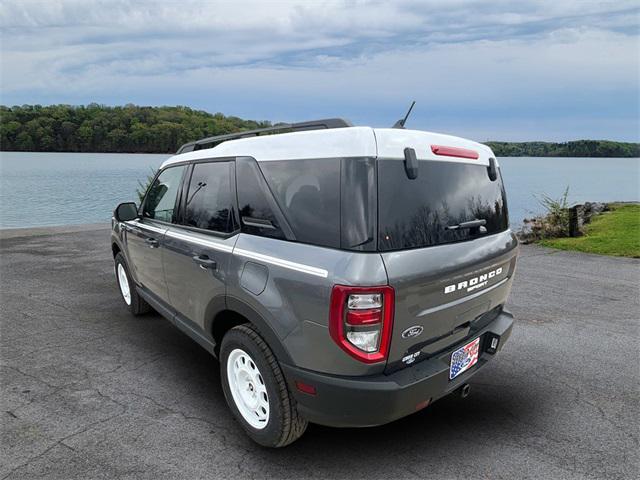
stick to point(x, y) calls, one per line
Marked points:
point(239, 307)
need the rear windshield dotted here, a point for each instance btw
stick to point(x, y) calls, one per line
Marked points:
point(416, 213)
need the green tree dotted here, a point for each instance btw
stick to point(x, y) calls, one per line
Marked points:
point(136, 129)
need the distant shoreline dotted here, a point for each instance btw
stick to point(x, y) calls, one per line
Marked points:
point(131, 129)
point(578, 148)
point(174, 153)
point(88, 152)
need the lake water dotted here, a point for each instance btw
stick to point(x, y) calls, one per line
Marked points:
point(38, 189)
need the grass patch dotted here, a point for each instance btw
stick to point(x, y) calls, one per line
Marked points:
point(616, 232)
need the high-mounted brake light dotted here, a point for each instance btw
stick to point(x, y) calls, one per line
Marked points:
point(454, 152)
point(360, 321)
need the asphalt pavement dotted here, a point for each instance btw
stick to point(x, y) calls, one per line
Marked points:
point(87, 391)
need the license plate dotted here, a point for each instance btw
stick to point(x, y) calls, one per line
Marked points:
point(464, 358)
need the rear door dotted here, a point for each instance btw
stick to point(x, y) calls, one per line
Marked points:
point(145, 236)
point(446, 277)
point(199, 247)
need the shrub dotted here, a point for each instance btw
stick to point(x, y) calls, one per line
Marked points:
point(556, 218)
point(551, 224)
point(144, 186)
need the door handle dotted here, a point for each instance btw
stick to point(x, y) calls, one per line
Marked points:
point(204, 262)
point(152, 242)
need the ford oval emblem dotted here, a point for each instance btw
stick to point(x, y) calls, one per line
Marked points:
point(412, 331)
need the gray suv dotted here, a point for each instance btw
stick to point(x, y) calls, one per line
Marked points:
point(346, 276)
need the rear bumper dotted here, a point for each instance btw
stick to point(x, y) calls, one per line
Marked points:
point(379, 399)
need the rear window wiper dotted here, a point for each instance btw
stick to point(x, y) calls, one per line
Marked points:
point(470, 224)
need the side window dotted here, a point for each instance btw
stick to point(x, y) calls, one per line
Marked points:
point(256, 215)
point(208, 200)
point(160, 201)
point(308, 191)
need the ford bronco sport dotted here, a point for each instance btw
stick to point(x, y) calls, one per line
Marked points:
point(347, 276)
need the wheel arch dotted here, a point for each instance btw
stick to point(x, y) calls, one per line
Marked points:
point(115, 249)
point(238, 312)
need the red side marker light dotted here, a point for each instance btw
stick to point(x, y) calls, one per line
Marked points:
point(305, 388)
point(454, 152)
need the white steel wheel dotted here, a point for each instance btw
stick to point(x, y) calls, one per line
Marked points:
point(248, 389)
point(135, 303)
point(255, 389)
point(123, 281)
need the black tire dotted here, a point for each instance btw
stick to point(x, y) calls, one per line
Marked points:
point(284, 424)
point(137, 305)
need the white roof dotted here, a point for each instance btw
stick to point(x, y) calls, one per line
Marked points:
point(391, 143)
point(340, 143)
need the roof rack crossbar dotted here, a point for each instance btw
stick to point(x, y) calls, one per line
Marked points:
point(284, 127)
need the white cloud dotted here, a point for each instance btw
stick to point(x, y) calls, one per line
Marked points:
point(512, 58)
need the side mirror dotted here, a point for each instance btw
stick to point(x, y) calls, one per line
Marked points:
point(126, 211)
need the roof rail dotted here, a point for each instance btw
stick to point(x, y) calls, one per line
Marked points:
point(281, 128)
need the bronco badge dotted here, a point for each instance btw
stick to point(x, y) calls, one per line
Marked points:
point(474, 283)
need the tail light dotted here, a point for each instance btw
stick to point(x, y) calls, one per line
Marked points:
point(360, 321)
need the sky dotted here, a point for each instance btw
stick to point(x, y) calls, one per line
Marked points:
point(487, 70)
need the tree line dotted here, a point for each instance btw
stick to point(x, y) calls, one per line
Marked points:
point(99, 128)
point(578, 148)
point(136, 129)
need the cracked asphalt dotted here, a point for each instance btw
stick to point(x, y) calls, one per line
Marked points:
point(90, 392)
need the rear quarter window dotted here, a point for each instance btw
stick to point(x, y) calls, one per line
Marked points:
point(308, 193)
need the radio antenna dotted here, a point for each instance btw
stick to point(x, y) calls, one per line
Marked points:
point(400, 123)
